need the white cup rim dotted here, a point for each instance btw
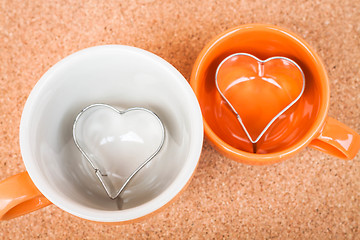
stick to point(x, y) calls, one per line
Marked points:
point(140, 211)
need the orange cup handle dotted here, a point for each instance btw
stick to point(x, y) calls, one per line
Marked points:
point(337, 139)
point(18, 196)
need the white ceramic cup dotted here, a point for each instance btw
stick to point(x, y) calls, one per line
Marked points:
point(123, 77)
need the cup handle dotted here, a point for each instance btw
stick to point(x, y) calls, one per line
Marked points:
point(18, 196)
point(337, 139)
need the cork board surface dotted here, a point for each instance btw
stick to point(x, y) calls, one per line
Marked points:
point(310, 196)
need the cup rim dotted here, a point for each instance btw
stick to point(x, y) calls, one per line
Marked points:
point(268, 158)
point(127, 215)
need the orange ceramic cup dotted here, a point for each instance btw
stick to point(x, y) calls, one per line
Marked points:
point(305, 124)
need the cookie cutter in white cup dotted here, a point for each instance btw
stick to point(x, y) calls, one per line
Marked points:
point(96, 163)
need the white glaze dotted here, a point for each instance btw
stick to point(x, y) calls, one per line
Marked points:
point(121, 76)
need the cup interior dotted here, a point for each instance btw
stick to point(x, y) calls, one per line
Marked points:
point(123, 77)
point(295, 125)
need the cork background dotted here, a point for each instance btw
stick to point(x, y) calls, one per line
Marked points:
point(310, 196)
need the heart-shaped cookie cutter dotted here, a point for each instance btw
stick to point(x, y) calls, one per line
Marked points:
point(278, 114)
point(94, 165)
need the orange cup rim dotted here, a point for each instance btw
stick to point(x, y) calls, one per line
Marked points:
point(252, 158)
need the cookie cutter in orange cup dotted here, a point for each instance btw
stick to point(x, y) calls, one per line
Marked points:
point(305, 124)
point(271, 87)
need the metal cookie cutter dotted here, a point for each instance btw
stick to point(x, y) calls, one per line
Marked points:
point(95, 165)
point(233, 58)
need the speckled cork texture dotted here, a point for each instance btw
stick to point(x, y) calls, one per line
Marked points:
point(310, 196)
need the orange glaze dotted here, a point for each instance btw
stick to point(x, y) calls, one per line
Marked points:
point(295, 129)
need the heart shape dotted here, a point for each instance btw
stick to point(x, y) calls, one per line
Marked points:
point(117, 144)
point(258, 91)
